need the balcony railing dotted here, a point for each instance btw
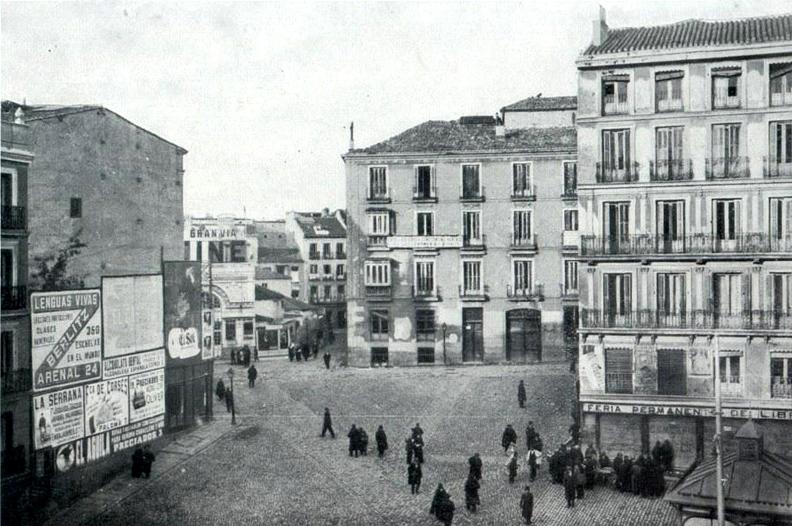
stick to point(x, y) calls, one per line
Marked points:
point(608, 174)
point(781, 387)
point(697, 319)
point(569, 193)
point(530, 293)
point(474, 242)
point(783, 98)
point(694, 244)
point(14, 298)
point(378, 195)
point(722, 101)
point(524, 194)
point(567, 291)
point(669, 105)
point(472, 195)
point(611, 105)
point(466, 292)
point(378, 291)
point(15, 135)
point(774, 168)
point(14, 217)
point(314, 256)
point(16, 381)
point(523, 242)
point(377, 241)
point(340, 255)
point(727, 168)
point(333, 298)
point(619, 383)
point(671, 170)
point(570, 239)
point(731, 386)
point(425, 293)
point(425, 194)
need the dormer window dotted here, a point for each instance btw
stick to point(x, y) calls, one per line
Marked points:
point(726, 88)
point(614, 94)
point(781, 84)
point(668, 91)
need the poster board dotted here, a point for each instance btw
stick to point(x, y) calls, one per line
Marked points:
point(132, 310)
point(183, 308)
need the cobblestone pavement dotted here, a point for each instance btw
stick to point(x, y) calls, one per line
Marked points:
point(276, 469)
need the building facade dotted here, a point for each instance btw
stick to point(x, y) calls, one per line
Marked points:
point(279, 254)
point(15, 353)
point(322, 238)
point(457, 242)
point(685, 166)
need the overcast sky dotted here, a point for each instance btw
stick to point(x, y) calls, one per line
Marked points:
point(261, 94)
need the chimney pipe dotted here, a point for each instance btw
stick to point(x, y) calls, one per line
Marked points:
point(600, 32)
point(352, 135)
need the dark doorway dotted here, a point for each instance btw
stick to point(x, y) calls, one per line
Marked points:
point(671, 377)
point(524, 335)
point(472, 334)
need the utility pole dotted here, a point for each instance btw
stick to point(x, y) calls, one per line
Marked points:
point(718, 435)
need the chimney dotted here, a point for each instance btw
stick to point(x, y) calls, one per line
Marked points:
point(600, 28)
point(325, 212)
point(352, 135)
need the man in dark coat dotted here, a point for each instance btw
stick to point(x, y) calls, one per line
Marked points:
point(618, 463)
point(526, 504)
point(580, 481)
point(417, 432)
point(148, 460)
point(439, 495)
point(229, 398)
point(327, 424)
point(233, 356)
point(409, 450)
point(354, 441)
point(667, 455)
point(475, 466)
point(252, 375)
point(137, 462)
point(533, 463)
point(291, 352)
point(418, 451)
point(521, 394)
point(636, 476)
point(626, 475)
point(306, 352)
point(220, 389)
point(382, 441)
point(446, 511)
point(531, 437)
point(363, 441)
point(590, 468)
point(471, 493)
point(569, 486)
point(509, 437)
point(326, 358)
point(414, 476)
point(657, 452)
point(576, 456)
point(512, 467)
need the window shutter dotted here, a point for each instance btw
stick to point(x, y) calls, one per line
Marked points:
point(627, 292)
point(607, 152)
point(746, 292)
point(626, 149)
point(662, 298)
point(391, 223)
point(736, 227)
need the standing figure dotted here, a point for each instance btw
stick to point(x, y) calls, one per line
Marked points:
point(291, 352)
point(252, 375)
point(580, 481)
point(509, 437)
point(590, 469)
point(418, 451)
point(326, 358)
point(382, 441)
point(354, 441)
point(569, 487)
point(306, 352)
point(137, 462)
point(362, 441)
point(526, 504)
point(148, 460)
point(521, 394)
point(327, 424)
point(446, 511)
point(417, 432)
point(233, 356)
point(408, 449)
point(534, 460)
point(220, 389)
point(475, 466)
point(512, 466)
point(439, 495)
point(414, 475)
point(471, 493)
point(229, 398)
point(531, 437)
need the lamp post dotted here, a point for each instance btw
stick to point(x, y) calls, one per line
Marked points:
point(233, 401)
point(444, 327)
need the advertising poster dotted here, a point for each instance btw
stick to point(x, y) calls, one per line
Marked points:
point(133, 364)
point(146, 395)
point(66, 337)
point(207, 350)
point(132, 309)
point(57, 417)
point(106, 405)
point(183, 320)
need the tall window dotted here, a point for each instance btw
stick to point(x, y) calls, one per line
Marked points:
point(671, 300)
point(780, 377)
point(670, 226)
point(340, 271)
point(424, 183)
point(340, 254)
point(217, 333)
point(671, 377)
point(616, 226)
point(471, 277)
point(313, 251)
point(726, 223)
point(522, 276)
point(7, 352)
point(377, 273)
point(378, 182)
point(614, 94)
point(378, 324)
point(471, 181)
point(571, 220)
point(521, 228)
point(618, 371)
point(380, 226)
point(781, 224)
point(617, 298)
point(327, 252)
point(781, 84)
point(730, 297)
point(471, 227)
point(726, 161)
point(668, 90)
point(616, 163)
point(327, 270)
point(424, 325)
point(779, 163)
point(726, 88)
point(7, 267)
point(230, 330)
point(521, 180)
point(570, 277)
point(669, 164)
point(424, 278)
point(782, 300)
point(424, 223)
point(729, 369)
point(570, 177)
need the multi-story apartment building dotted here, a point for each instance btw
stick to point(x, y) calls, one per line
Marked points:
point(685, 167)
point(322, 239)
point(15, 352)
point(278, 258)
point(457, 248)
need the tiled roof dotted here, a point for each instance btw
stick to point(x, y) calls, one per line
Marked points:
point(265, 273)
point(696, 33)
point(263, 294)
point(293, 304)
point(451, 137)
point(279, 255)
point(543, 104)
point(319, 227)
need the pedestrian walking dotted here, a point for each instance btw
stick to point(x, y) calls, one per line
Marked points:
point(306, 352)
point(531, 437)
point(327, 424)
point(255, 353)
point(291, 352)
point(220, 390)
point(590, 469)
point(636, 474)
point(580, 481)
point(446, 511)
point(233, 356)
point(408, 449)
point(418, 451)
point(326, 358)
point(439, 495)
point(527, 504)
point(521, 394)
point(362, 441)
point(414, 476)
point(534, 461)
point(137, 463)
point(229, 399)
point(569, 487)
point(475, 466)
point(512, 466)
point(509, 437)
point(354, 441)
point(298, 354)
point(148, 460)
point(252, 375)
point(472, 493)
point(382, 441)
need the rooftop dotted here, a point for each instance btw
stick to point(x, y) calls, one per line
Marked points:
point(320, 226)
point(453, 137)
point(540, 103)
point(696, 33)
point(279, 255)
point(265, 273)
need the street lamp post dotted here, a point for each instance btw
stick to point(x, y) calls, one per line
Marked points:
point(233, 400)
point(444, 327)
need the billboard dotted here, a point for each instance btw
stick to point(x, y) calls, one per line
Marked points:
point(66, 337)
point(146, 395)
point(133, 364)
point(132, 310)
point(106, 405)
point(207, 350)
point(58, 417)
point(182, 303)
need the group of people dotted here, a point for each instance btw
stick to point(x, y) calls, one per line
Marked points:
point(242, 356)
point(533, 456)
point(305, 352)
point(642, 476)
point(224, 394)
point(142, 459)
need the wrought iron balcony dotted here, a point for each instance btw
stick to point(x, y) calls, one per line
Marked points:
point(721, 101)
point(471, 195)
point(567, 292)
point(527, 193)
point(314, 256)
point(381, 292)
point(569, 193)
point(16, 381)
point(14, 298)
point(528, 243)
point(425, 193)
point(664, 105)
point(608, 174)
point(781, 98)
point(332, 298)
point(671, 170)
point(698, 319)
point(340, 255)
point(476, 243)
point(477, 294)
point(14, 217)
point(774, 168)
point(611, 105)
point(426, 294)
point(15, 135)
point(781, 387)
point(693, 245)
point(727, 168)
point(529, 293)
point(377, 241)
point(378, 195)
